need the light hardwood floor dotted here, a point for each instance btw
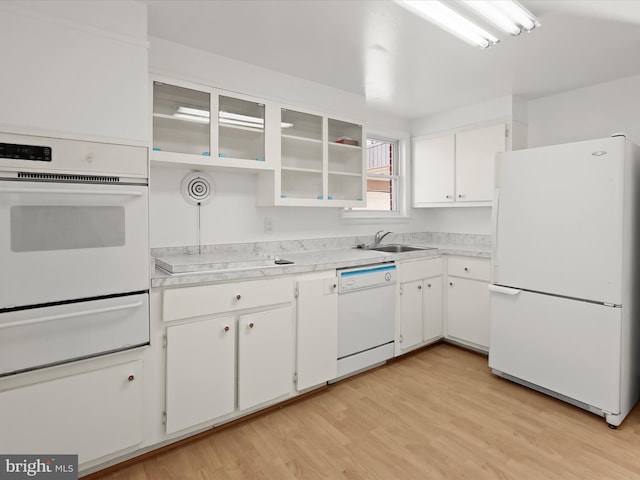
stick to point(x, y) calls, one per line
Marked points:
point(437, 413)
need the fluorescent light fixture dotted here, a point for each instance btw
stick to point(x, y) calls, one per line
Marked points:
point(451, 21)
point(193, 111)
point(191, 118)
point(229, 118)
point(242, 118)
point(508, 15)
point(241, 123)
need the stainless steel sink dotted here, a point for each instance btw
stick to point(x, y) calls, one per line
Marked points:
point(397, 248)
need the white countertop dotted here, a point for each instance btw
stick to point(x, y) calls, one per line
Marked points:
point(216, 267)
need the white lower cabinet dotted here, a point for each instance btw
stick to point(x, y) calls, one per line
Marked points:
point(200, 373)
point(92, 414)
point(232, 350)
point(432, 300)
point(265, 356)
point(468, 310)
point(420, 303)
point(317, 329)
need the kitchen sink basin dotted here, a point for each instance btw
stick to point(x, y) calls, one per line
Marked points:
point(397, 248)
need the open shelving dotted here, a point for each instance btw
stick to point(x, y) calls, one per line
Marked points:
point(302, 158)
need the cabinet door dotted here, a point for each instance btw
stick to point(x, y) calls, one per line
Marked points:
point(200, 372)
point(265, 356)
point(302, 156)
point(92, 414)
point(432, 308)
point(433, 170)
point(181, 120)
point(475, 157)
point(468, 311)
point(241, 129)
point(317, 330)
point(345, 163)
point(410, 314)
point(98, 87)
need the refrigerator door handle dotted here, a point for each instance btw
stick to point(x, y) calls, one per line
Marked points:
point(503, 290)
point(494, 223)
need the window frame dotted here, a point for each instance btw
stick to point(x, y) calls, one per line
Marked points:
point(402, 157)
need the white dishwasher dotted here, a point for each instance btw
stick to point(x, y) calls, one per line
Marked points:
point(366, 317)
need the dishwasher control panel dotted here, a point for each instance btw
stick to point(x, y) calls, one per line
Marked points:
point(366, 277)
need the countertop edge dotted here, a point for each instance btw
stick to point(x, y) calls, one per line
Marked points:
point(161, 279)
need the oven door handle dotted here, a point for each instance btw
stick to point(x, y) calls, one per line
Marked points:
point(71, 192)
point(62, 316)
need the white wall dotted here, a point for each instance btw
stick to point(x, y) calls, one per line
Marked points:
point(493, 111)
point(174, 60)
point(587, 113)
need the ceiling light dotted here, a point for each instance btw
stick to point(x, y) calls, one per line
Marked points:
point(507, 15)
point(451, 21)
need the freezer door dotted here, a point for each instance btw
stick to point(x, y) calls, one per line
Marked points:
point(566, 346)
point(558, 220)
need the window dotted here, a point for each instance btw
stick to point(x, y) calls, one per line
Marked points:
point(382, 175)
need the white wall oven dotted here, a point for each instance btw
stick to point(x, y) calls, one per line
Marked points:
point(74, 250)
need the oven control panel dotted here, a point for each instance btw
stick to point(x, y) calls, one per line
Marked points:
point(16, 151)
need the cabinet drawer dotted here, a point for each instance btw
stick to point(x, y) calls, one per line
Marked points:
point(474, 268)
point(202, 300)
point(91, 414)
point(419, 269)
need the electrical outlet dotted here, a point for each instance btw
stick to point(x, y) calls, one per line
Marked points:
point(268, 225)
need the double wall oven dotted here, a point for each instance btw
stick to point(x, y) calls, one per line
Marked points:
point(74, 250)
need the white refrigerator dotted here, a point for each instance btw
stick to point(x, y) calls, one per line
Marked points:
point(565, 267)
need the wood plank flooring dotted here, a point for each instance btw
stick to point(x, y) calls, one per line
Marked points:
point(437, 413)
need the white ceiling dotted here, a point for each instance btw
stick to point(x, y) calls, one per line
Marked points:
point(402, 64)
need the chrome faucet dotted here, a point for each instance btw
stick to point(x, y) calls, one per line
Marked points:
point(378, 237)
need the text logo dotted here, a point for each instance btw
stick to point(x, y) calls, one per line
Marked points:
point(49, 467)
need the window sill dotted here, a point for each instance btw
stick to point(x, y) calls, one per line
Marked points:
point(372, 217)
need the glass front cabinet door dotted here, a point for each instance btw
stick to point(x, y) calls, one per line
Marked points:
point(302, 158)
point(204, 127)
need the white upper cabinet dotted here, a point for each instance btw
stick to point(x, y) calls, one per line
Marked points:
point(304, 158)
point(475, 157)
point(67, 75)
point(203, 127)
point(322, 163)
point(433, 170)
point(345, 182)
point(457, 169)
point(301, 156)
